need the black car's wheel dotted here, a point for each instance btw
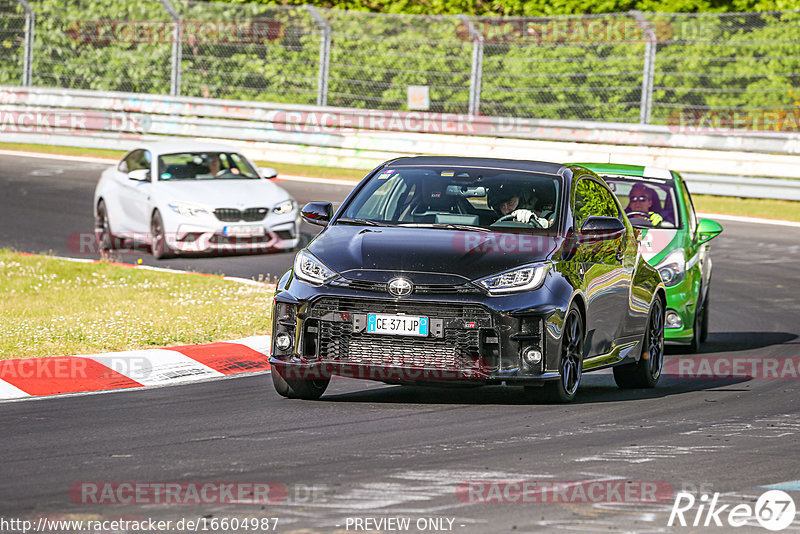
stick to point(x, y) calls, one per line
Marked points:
point(102, 230)
point(159, 246)
point(570, 366)
point(646, 372)
point(298, 388)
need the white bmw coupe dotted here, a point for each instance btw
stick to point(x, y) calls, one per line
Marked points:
point(188, 197)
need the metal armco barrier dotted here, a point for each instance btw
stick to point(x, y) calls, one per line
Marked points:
point(759, 165)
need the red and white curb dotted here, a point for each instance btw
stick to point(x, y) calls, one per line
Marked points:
point(41, 377)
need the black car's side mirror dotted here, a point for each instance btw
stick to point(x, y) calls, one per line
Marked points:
point(318, 213)
point(601, 229)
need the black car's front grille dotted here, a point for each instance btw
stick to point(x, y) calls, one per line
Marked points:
point(247, 215)
point(426, 309)
point(458, 348)
point(419, 289)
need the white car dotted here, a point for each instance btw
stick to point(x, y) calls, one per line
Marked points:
point(187, 197)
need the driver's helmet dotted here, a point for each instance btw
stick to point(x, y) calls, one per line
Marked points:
point(498, 194)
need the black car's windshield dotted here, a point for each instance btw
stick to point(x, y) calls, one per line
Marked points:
point(205, 166)
point(648, 202)
point(459, 198)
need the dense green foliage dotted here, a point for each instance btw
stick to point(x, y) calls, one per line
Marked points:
point(568, 68)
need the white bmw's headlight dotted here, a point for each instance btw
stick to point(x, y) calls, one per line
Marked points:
point(284, 207)
point(673, 268)
point(521, 279)
point(310, 269)
point(184, 208)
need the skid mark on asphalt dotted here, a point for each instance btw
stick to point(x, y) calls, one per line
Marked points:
point(766, 428)
point(637, 454)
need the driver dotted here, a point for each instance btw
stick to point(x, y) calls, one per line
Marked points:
point(214, 165)
point(505, 200)
point(644, 200)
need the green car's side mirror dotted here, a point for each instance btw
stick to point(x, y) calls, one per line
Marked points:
point(707, 230)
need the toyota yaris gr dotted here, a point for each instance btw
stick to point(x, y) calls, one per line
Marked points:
point(657, 201)
point(445, 270)
point(188, 197)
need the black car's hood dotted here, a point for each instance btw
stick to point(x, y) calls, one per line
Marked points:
point(353, 251)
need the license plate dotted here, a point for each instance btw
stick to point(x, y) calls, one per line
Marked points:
point(244, 230)
point(397, 325)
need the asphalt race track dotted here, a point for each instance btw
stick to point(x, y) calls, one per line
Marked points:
point(367, 451)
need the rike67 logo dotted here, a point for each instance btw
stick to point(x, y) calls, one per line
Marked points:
point(774, 510)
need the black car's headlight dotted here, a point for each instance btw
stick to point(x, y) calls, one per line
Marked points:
point(521, 279)
point(673, 268)
point(310, 269)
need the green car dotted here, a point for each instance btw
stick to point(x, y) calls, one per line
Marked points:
point(658, 203)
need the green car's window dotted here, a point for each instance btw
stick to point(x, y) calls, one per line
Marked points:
point(592, 199)
point(692, 218)
point(649, 203)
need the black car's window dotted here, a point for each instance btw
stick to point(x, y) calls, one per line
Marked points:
point(592, 199)
point(205, 166)
point(446, 197)
point(692, 218)
point(658, 194)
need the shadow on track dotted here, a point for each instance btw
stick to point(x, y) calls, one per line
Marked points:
point(595, 388)
point(735, 342)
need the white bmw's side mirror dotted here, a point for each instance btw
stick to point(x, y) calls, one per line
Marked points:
point(140, 175)
point(268, 173)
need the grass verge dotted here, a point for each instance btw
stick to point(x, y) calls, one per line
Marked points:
point(53, 307)
point(787, 210)
point(744, 207)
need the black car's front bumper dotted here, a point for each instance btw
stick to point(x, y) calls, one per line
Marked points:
point(472, 338)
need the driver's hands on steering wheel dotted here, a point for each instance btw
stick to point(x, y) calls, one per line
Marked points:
point(525, 216)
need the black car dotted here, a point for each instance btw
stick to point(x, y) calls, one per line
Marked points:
point(445, 270)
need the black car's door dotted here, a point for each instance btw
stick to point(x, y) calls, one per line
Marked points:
point(606, 266)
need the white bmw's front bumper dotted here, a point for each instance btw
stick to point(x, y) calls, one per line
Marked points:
point(208, 234)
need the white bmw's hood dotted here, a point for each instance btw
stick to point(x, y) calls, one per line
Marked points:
point(222, 193)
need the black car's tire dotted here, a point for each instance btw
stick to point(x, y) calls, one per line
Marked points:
point(299, 388)
point(646, 372)
point(159, 246)
point(570, 362)
point(102, 230)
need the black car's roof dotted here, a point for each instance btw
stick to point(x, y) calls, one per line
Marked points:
point(543, 167)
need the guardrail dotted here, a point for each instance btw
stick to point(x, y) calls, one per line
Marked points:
point(759, 165)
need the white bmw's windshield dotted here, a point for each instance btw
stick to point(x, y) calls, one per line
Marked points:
point(205, 166)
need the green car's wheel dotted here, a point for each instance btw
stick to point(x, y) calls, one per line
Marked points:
point(704, 325)
point(570, 366)
point(298, 388)
point(646, 372)
point(697, 326)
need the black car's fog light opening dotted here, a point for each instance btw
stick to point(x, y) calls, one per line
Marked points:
point(532, 356)
point(284, 311)
point(283, 341)
point(310, 340)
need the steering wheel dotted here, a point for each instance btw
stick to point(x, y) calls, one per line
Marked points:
point(510, 216)
point(641, 214)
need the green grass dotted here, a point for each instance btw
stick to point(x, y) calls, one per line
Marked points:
point(745, 207)
point(788, 210)
point(54, 307)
